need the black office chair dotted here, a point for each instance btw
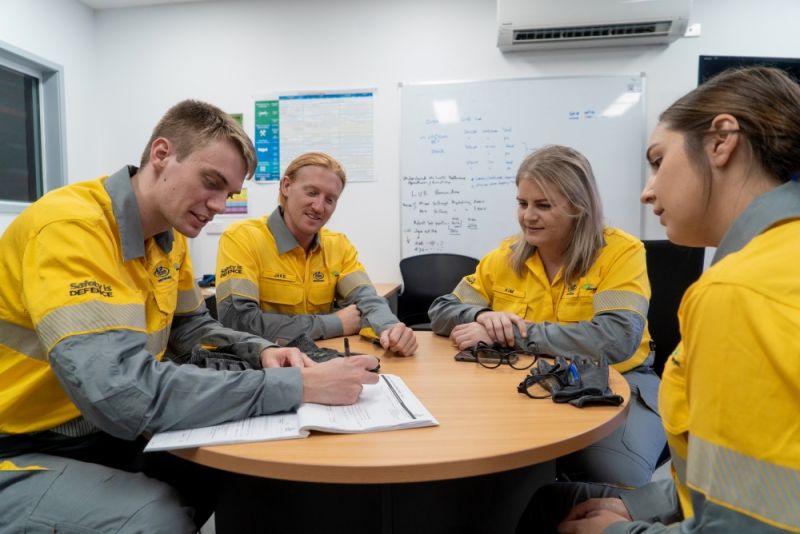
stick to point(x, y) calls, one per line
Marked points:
point(211, 304)
point(426, 277)
point(671, 269)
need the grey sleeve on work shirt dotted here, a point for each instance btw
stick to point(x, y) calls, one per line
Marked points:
point(122, 389)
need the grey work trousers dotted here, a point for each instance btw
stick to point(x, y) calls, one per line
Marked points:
point(629, 455)
point(74, 495)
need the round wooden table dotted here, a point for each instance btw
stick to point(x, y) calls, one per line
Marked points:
point(475, 472)
point(485, 426)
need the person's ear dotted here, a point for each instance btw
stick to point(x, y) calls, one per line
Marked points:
point(723, 139)
point(160, 150)
point(285, 183)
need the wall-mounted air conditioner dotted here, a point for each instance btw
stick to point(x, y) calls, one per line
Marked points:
point(547, 24)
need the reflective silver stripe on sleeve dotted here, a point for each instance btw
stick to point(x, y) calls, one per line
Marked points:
point(88, 317)
point(239, 286)
point(620, 300)
point(348, 283)
point(189, 301)
point(22, 340)
point(468, 295)
point(746, 484)
point(679, 464)
point(157, 341)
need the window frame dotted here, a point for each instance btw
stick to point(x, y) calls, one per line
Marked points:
point(51, 118)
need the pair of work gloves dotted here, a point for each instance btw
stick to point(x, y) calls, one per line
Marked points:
point(580, 381)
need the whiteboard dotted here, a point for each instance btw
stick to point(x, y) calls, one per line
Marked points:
point(462, 143)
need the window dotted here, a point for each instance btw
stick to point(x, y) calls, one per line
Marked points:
point(32, 156)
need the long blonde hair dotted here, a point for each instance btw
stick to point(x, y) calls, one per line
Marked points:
point(570, 173)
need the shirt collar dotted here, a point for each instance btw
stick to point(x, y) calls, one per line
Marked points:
point(126, 212)
point(776, 205)
point(284, 239)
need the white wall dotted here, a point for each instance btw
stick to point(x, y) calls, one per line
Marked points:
point(149, 58)
point(61, 31)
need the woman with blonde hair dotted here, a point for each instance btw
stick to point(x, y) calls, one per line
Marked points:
point(568, 285)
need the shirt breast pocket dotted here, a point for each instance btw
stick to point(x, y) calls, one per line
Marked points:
point(509, 299)
point(320, 297)
point(574, 308)
point(281, 293)
point(166, 296)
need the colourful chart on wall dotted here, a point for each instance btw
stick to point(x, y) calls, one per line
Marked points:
point(237, 204)
point(339, 123)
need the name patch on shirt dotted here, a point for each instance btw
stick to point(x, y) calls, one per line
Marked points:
point(280, 276)
point(90, 286)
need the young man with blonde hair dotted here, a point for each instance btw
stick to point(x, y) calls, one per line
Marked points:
point(97, 286)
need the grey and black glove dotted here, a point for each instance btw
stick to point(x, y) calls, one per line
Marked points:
point(225, 359)
point(580, 381)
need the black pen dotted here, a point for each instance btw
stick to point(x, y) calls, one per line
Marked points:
point(346, 347)
point(397, 396)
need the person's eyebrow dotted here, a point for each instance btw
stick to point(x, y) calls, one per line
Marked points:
point(217, 174)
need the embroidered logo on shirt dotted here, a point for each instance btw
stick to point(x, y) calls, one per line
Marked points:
point(230, 269)
point(162, 273)
point(318, 276)
point(571, 289)
point(90, 286)
point(589, 287)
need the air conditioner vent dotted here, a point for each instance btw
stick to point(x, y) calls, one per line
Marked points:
point(603, 31)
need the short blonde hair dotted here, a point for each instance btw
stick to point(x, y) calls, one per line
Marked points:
point(570, 173)
point(318, 159)
point(191, 125)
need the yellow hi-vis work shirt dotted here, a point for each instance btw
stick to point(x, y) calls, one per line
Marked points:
point(259, 261)
point(617, 281)
point(730, 395)
point(87, 308)
point(62, 264)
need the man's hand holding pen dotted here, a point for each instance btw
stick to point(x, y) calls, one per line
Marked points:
point(347, 353)
point(340, 380)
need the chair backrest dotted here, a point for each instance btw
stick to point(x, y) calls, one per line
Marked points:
point(671, 269)
point(426, 277)
point(211, 304)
